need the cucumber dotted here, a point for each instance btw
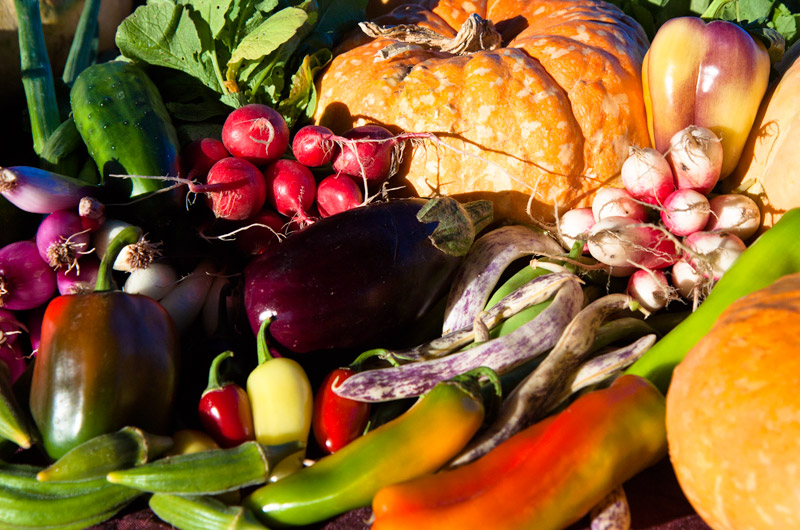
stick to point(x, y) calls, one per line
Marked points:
point(125, 125)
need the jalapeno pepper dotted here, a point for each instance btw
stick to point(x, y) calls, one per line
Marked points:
point(545, 477)
point(224, 409)
point(106, 359)
point(773, 255)
point(419, 441)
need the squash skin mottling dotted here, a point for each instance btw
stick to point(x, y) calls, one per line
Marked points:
point(550, 115)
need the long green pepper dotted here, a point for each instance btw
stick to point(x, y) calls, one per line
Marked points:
point(773, 255)
point(419, 441)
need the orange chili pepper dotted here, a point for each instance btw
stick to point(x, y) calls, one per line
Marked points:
point(546, 477)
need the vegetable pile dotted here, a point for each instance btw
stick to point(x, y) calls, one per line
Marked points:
point(274, 261)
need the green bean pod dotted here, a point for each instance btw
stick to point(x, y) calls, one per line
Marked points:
point(201, 513)
point(201, 473)
point(96, 457)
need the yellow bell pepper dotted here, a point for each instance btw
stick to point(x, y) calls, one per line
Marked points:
point(713, 75)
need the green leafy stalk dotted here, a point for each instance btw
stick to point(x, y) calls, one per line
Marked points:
point(37, 76)
point(82, 52)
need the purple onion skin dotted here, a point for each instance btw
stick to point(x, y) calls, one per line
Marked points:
point(57, 227)
point(37, 190)
point(13, 356)
point(358, 279)
point(80, 279)
point(27, 280)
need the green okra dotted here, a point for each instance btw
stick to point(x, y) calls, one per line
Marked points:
point(202, 513)
point(95, 458)
point(247, 464)
point(28, 503)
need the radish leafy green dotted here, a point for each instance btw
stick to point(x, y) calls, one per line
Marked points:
point(246, 51)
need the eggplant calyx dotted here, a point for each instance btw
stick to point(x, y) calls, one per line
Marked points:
point(459, 223)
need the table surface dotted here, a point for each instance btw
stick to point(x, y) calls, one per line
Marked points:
point(654, 496)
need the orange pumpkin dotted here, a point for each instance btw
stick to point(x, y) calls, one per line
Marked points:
point(549, 115)
point(769, 169)
point(733, 417)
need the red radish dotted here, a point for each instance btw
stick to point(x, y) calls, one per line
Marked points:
point(234, 189)
point(257, 133)
point(575, 224)
point(337, 193)
point(650, 288)
point(369, 152)
point(624, 242)
point(685, 211)
point(686, 279)
point(198, 156)
point(695, 154)
point(26, 280)
point(61, 239)
point(713, 253)
point(291, 189)
point(647, 176)
point(260, 232)
point(734, 213)
point(313, 145)
point(617, 202)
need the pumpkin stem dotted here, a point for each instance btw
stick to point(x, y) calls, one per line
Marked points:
point(476, 34)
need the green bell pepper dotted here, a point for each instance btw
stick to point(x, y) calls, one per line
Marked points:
point(106, 359)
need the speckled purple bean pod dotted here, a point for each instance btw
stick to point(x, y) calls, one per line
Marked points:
point(483, 265)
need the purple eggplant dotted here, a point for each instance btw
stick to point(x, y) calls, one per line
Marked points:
point(361, 278)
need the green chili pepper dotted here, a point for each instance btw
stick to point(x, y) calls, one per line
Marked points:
point(773, 255)
point(419, 441)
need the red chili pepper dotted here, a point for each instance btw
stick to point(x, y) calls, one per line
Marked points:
point(337, 420)
point(225, 408)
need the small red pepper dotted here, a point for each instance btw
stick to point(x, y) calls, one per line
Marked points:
point(337, 420)
point(224, 409)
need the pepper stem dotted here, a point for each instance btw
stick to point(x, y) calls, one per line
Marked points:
point(126, 236)
point(213, 372)
point(470, 380)
point(262, 349)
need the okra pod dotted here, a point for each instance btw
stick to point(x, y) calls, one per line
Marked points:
point(199, 473)
point(28, 503)
point(202, 513)
point(127, 447)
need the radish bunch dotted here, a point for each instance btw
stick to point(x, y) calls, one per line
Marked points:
point(664, 229)
point(268, 183)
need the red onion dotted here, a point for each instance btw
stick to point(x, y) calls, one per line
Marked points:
point(79, 279)
point(26, 280)
point(40, 191)
point(61, 239)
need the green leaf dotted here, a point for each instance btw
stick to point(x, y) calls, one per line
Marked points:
point(162, 33)
point(268, 37)
point(786, 23)
point(214, 12)
point(302, 98)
